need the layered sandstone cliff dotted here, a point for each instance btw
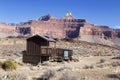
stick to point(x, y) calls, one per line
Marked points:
point(6, 30)
point(66, 27)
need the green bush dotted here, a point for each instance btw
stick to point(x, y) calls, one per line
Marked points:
point(9, 65)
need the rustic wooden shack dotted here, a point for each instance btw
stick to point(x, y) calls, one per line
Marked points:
point(38, 50)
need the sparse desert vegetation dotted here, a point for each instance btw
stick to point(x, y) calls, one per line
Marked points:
point(14, 76)
point(9, 65)
point(90, 62)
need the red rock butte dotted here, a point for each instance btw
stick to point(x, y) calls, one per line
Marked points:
point(66, 27)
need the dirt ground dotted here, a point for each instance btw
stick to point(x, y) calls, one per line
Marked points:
point(86, 68)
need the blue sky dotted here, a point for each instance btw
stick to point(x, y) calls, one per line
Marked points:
point(99, 12)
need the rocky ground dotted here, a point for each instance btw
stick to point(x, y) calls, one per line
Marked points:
point(82, 48)
point(96, 62)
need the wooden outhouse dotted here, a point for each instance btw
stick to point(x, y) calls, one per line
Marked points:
point(38, 50)
point(34, 53)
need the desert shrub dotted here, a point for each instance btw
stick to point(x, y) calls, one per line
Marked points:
point(116, 57)
point(9, 65)
point(117, 76)
point(59, 59)
point(101, 66)
point(114, 64)
point(102, 60)
point(91, 66)
point(99, 53)
point(1, 76)
point(48, 74)
point(14, 76)
point(46, 63)
point(114, 76)
point(68, 76)
point(1, 64)
point(88, 67)
point(64, 68)
point(61, 69)
point(19, 76)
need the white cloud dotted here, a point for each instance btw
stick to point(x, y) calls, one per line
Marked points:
point(116, 27)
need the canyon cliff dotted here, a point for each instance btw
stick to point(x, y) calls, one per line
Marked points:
point(65, 27)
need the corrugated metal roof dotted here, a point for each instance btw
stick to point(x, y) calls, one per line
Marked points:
point(46, 37)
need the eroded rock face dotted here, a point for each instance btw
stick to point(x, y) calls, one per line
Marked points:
point(46, 17)
point(58, 28)
point(118, 33)
point(4, 28)
point(102, 31)
point(66, 27)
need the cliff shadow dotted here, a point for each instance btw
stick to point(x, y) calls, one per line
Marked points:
point(74, 33)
